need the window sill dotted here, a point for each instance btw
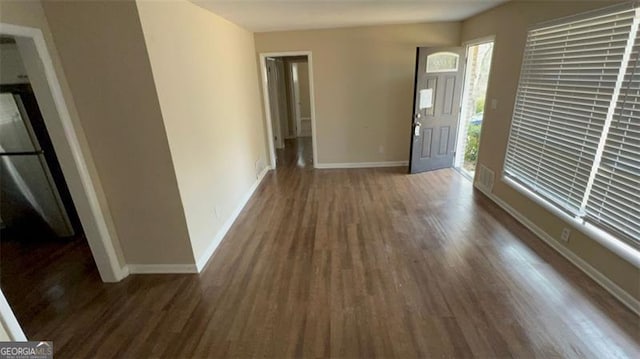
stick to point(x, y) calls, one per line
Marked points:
point(610, 242)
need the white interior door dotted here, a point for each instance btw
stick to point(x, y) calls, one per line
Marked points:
point(304, 100)
point(282, 99)
point(274, 104)
point(295, 81)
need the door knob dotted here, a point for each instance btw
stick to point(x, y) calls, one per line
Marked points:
point(416, 129)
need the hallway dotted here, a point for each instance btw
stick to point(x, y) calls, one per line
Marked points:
point(353, 263)
point(297, 153)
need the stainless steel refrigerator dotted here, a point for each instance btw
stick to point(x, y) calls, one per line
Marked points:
point(28, 190)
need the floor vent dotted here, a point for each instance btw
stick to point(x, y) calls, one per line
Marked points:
point(485, 179)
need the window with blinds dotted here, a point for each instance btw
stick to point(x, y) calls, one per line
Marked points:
point(575, 132)
point(614, 199)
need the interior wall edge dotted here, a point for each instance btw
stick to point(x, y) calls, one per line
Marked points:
point(127, 138)
point(211, 113)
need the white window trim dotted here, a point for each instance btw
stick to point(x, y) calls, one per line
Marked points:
point(606, 239)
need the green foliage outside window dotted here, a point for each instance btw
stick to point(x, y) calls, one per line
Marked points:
point(473, 141)
point(479, 105)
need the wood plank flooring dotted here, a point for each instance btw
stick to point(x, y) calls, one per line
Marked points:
point(357, 263)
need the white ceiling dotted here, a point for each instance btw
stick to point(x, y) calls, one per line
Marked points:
point(266, 15)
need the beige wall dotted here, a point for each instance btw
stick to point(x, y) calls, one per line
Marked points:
point(31, 14)
point(12, 67)
point(363, 84)
point(215, 127)
point(509, 24)
point(207, 81)
point(102, 51)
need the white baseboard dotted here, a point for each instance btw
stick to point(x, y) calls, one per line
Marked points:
point(204, 258)
point(161, 268)
point(362, 164)
point(628, 300)
point(208, 253)
point(123, 272)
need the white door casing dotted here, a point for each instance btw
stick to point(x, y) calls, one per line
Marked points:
point(274, 105)
point(267, 107)
point(41, 72)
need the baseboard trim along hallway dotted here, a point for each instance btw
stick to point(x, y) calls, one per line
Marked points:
point(206, 256)
point(161, 268)
point(201, 263)
point(362, 164)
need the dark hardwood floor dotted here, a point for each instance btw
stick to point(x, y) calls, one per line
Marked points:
point(355, 263)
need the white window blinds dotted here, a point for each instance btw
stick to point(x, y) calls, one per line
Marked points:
point(614, 200)
point(575, 134)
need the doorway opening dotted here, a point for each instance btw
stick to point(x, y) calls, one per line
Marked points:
point(476, 78)
point(289, 108)
point(42, 241)
point(42, 154)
